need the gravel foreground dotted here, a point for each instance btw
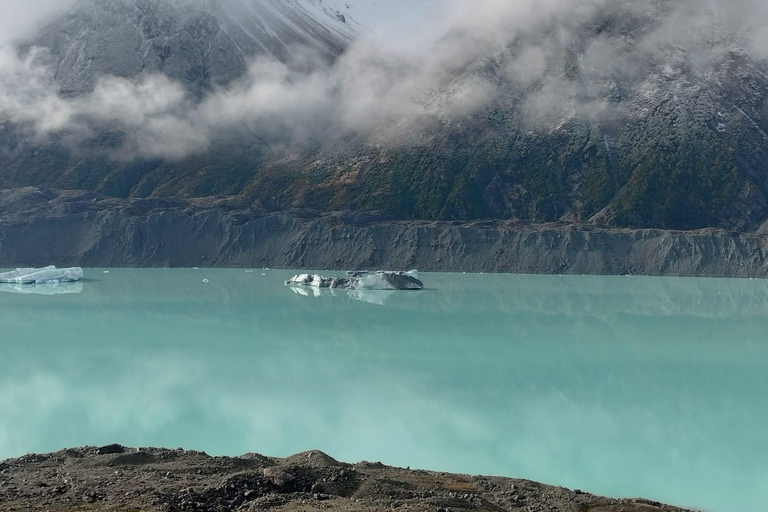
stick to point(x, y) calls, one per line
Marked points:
point(115, 478)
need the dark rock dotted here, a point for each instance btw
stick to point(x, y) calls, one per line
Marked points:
point(281, 480)
point(91, 497)
point(111, 449)
point(133, 459)
point(402, 281)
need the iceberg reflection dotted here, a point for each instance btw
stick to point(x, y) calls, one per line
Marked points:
point(43, 288)
point(377, 297)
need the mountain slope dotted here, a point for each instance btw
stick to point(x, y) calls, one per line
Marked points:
point(202, 44)
point(615, 123)
point(670, 142)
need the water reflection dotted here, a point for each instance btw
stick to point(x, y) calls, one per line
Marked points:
point(42, 289)
point(623, 386)
point(377, 297)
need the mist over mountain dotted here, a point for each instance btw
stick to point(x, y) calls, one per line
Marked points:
point(622, 113)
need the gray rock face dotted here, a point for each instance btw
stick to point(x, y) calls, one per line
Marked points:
point(85, 229)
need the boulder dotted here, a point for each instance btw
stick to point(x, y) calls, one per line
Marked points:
point(280, 479)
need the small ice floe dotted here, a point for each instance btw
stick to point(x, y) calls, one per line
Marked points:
point(382, 280)
point(44, 275)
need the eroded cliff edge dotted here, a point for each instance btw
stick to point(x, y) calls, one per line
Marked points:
point(39, 227)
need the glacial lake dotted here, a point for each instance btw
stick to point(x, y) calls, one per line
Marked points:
point(623, 386)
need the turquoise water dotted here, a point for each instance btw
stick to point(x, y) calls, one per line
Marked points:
point(622, 386)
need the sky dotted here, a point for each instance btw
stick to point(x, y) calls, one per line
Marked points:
point(398, 24)
point(19, 18)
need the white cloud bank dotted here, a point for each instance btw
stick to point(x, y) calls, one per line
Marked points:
point(372, 87)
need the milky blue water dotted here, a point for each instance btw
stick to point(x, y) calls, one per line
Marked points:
point(621, 386)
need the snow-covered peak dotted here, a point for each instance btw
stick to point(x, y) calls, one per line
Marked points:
point(209, 43)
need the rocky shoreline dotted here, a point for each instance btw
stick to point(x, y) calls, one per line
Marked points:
point(116, 478)
point(40, 227)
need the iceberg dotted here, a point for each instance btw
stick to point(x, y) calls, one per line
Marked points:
point(317, 281)
point(381, 280)
point(385, 280)
point(44, 275)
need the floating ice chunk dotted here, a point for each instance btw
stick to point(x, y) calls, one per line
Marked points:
point(301, 279)
point(385, 280)
point(362, 281)
point(49, 274)
point(375, 281)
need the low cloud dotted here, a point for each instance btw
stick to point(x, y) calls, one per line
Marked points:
point(375, 90)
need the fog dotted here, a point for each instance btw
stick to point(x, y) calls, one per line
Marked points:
point(382, 88)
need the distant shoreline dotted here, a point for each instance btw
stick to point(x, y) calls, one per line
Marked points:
point(159, 480)
point(39, 228)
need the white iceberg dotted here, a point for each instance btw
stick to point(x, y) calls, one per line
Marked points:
point(44, 275)
point(382, 280)
point(385, 280)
